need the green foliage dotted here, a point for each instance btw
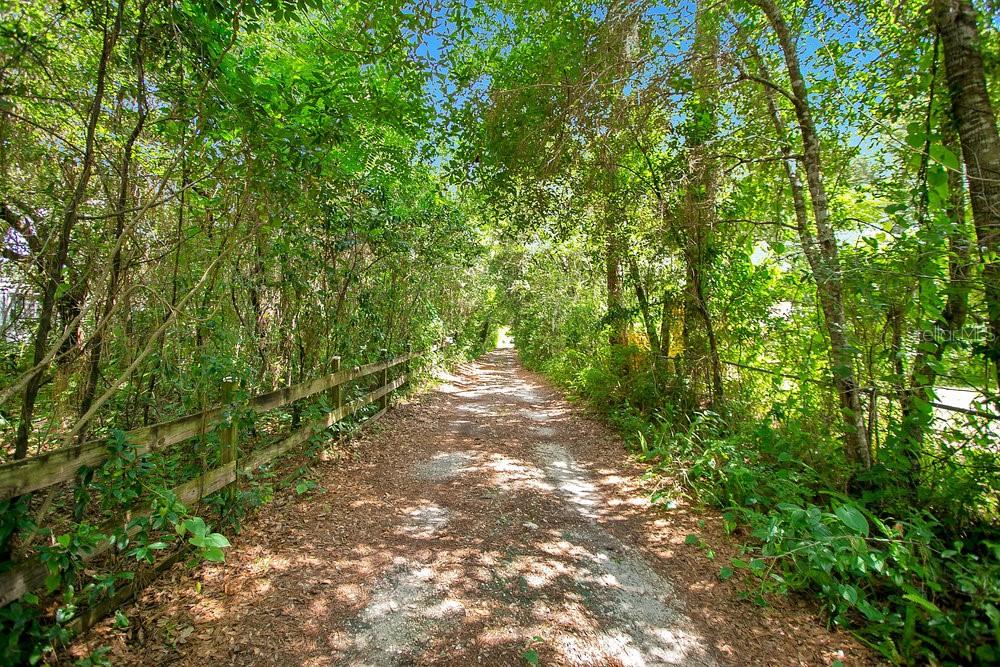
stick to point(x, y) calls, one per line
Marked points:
point(530, 654)
point(911, 592)
point(902, 583)
point(304, 486)
point(198, 192)
point(99, 658)
point(260, 192)
point(916, 581)
point(209, 544)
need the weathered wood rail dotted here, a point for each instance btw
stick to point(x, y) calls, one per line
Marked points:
point(62, 465)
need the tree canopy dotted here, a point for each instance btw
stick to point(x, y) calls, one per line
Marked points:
point(763, 238)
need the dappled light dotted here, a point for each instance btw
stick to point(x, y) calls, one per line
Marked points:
point(501, 332)
point(441, 545)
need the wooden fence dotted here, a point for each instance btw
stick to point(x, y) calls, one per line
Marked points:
point(62, 465)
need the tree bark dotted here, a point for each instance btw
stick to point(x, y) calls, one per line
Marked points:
point(613, 257)
point(124, 184)
point(916, 414)
point(666, 322)
point(647, 317)
point(822, 252)
point(976, 123)
point(699, 208)
point(54, 264)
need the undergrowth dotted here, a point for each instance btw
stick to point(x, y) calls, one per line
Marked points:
point(918, 580)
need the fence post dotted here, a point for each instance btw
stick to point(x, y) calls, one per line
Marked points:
point(227, 436)
point(336, 396)
point(408, 367)
point(384, 401)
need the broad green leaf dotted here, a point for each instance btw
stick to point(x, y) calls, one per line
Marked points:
point(853, 519)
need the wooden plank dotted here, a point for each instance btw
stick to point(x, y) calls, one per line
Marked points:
point(222, 476)
point(30, 574)
point(60, 465)
point(261, 457)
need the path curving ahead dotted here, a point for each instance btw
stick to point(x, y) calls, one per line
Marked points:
point(484, 519)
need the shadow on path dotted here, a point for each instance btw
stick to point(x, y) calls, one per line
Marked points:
point(485, 519)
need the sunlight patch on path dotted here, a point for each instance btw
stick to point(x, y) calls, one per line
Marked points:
point(596, 601)
point(516, 475)
point(642, 624)
point(569, 478)
point(408, 606)
point(445, 466)
point(639, 617)
point(424, 521)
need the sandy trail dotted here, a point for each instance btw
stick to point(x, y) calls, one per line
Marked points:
point(486, 519)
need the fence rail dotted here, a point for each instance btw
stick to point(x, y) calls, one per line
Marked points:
point(61, 465)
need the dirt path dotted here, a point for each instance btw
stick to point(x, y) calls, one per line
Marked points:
point(484, 519)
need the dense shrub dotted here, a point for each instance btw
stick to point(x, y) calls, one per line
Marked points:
point(910, 584)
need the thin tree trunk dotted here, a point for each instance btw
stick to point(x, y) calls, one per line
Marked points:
point(826, 271)
point(54, 266)
point(613, 267)
point(613, 270)
point(259, 328)
point(647, 317)
point(97, 342)
point(666, 324)
point(916, 414)
point(699, 206)
point(154, 374)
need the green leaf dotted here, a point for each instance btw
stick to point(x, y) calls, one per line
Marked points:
point(304, 486)
point(214, 554)
point(915, 135)
point(923, 602)
point(870, 612)
point(943, 155)
point(52, 582)
point(692, 539)
point(217, 540)
point(853, 519)
point(725, 573)
point(65, 614)
point(196, 526)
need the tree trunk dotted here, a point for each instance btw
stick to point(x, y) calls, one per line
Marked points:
point(977, 129)
point(666, 322)
point(916, 414)
point(699, 208)
point(647, 317)
point(124, 183)
point(613, 257)
point(54, 265)
point(822, 253)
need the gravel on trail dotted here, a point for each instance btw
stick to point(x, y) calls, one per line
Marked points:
point(488, 521)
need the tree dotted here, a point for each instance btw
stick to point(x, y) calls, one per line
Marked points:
point(823, 254)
